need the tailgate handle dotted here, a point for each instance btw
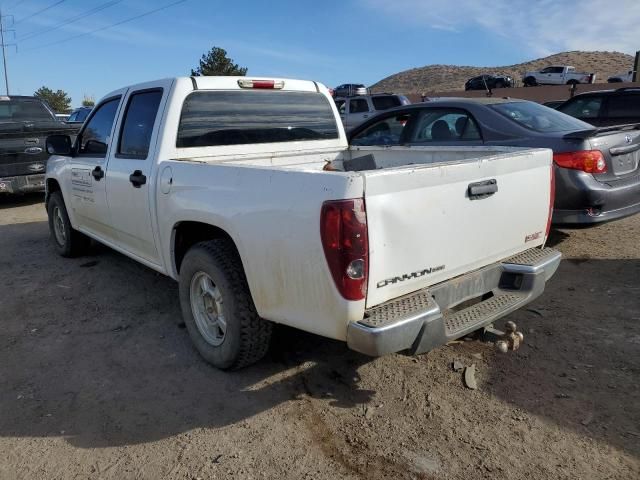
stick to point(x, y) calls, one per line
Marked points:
point(623, 150)
point(480, 190)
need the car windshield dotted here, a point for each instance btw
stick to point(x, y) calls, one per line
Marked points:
point(540, 118)
point(82, 114)
point(23, 110)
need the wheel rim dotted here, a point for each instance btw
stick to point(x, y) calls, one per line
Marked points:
point(207, 309)
point(58, 227)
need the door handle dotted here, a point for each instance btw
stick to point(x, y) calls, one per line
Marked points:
point(97, 173)
point(137, 178)
point(480, 190)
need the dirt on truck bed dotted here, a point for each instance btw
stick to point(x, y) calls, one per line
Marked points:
point(98, 379)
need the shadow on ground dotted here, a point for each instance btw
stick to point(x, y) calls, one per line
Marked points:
point(580, 365)
point(12, 201)
point(94, 349)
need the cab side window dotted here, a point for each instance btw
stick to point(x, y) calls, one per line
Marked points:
point(137, 126)
point(95, 137)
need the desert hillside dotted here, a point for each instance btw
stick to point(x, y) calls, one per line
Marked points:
point(435, 78)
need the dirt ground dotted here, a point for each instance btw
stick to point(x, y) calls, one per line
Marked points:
point(98, 379)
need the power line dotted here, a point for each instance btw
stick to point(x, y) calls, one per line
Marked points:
point(16, 4)
point(68, 21)
point(40, 11)
point(127, 20)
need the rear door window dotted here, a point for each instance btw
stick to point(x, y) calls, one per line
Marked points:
point(385, 102)
point(215, 118)
point(386, 131)
point(588, 107)
point(445, 125)
point(358, 105)
point(137, 127)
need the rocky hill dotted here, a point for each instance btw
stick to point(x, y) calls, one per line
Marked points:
point(437, 78)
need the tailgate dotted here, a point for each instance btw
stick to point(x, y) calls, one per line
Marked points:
point(424, 228)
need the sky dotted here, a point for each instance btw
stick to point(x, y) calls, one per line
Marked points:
point(334, 42)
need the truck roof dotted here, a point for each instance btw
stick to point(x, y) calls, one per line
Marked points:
point(232, 83)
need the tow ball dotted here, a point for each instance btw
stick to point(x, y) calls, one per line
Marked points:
point(510, 339)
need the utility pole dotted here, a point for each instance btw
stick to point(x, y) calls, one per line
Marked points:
point(4, 53)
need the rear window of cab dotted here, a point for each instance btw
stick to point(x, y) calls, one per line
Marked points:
point(217, 118)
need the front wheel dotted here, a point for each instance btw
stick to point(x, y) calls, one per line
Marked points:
point(217, 307)
point(67, 241)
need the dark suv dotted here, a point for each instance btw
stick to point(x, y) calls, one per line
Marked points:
point(605, 108)
point(489, 82)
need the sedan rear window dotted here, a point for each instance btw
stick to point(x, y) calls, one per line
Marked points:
point(215, 118)
point(540, 118)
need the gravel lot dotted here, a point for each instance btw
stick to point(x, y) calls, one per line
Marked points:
point(98, 379)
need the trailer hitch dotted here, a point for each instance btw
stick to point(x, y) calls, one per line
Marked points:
point(510, 339)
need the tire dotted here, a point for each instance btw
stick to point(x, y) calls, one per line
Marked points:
point(530, 82)
point(67, 241)
point(573, 82)
point(500, 84)
point(212, 285)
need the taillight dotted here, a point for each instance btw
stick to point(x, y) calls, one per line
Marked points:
point(552, 198)
point(343, 230)
point(264, 84)
point(590, 161)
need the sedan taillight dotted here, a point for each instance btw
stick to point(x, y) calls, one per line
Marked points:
point(590, 161)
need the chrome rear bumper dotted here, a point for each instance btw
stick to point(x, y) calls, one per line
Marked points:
point(433, 316)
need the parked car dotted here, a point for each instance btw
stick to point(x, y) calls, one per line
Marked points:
point(245, 191)
point(25, 123)
point(605, 107)
point(622, 77)
point(62, 117)
point(597, 171)
point(557, 75)
point(349, 90)
point(489, 82)
point(79, 115)
point(553, 103)
point(355, 110)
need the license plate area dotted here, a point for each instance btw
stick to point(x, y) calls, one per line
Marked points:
point(626, 162)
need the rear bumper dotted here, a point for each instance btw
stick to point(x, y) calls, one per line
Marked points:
point(426, 319)
point(583, 200)
point(22, 184)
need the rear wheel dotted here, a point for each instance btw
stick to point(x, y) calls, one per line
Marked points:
point(67, 241)
point(573, 82)
point(217, 307)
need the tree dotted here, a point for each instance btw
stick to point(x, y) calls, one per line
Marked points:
point(216, 62)
point(88, 102)
point(59, 101)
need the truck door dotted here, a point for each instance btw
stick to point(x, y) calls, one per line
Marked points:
point(129, 185)
point(86, 178)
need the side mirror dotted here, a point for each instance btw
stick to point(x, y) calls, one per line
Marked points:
point(59, 145)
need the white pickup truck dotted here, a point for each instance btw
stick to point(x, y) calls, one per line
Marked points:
point(247, 193)
point(557, 75)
